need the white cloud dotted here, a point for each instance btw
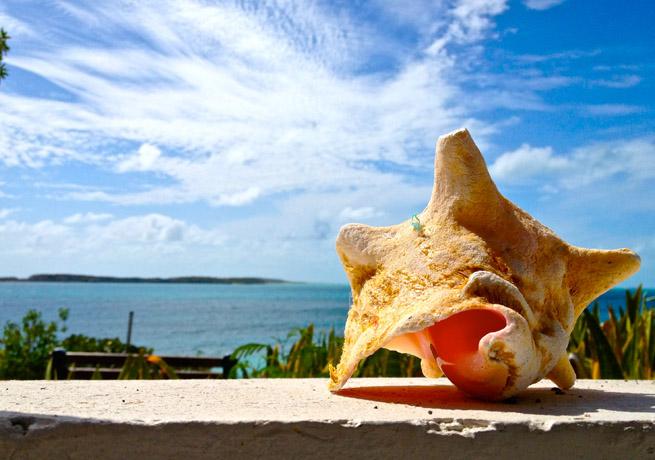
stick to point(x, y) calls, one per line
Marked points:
point(353, 214)
point(99, 235)
point(469, 21)
point(154, 229)
point(231, 103)
point(474, 18)
point(631, 160)
point(4, 212)
point(83, 218)
point(541, 4)
point(297, 232)
point(238, 198)
point(45, 236)
point(527, 162)
point(144, 160)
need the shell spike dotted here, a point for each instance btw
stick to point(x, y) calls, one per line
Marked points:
point(591, 272)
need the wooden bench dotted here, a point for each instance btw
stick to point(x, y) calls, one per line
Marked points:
point(83, 365)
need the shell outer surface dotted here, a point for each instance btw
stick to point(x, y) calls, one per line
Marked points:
point(470, 249)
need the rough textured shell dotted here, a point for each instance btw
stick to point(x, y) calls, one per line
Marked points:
point(474, 250)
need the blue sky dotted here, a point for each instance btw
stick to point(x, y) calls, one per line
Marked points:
point(235, 138)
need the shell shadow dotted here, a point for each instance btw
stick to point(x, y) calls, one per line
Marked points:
point(542, 401)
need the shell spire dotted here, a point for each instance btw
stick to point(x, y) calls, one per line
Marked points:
point(461, 180)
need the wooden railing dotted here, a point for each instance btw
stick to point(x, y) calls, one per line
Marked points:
point(83, 365)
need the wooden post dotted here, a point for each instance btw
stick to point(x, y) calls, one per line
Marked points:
point(129, 332)
point(228, 364)
point(59, 364)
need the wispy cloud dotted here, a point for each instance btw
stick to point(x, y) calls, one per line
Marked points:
point(17, 27)
point(561, 55)
point(354, 214)
point(616, 67)
point(233, 102)
point(87, 217)
point(542, 4)
point(618, 81)
point(4, 212)
point(611, 109)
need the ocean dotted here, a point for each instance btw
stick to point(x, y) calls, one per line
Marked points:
point(191, 319)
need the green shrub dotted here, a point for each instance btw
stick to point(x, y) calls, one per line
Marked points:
point(80, 342)
point(26, 347)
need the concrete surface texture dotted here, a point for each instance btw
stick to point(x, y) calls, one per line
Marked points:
point(370, 418)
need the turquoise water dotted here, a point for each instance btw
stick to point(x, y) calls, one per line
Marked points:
point(191, 318)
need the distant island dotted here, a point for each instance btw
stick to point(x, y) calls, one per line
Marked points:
point(67, 278)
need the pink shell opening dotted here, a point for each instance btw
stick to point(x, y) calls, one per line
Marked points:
point(454, 343)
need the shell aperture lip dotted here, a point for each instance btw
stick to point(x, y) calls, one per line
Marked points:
point(497, 290)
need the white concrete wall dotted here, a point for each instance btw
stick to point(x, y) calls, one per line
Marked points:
point(372, 418)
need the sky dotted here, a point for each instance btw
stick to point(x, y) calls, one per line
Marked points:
point(188, 137)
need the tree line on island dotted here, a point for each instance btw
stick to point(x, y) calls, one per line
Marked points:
point(68, 278)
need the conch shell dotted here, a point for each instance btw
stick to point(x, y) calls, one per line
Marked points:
point(473, 286)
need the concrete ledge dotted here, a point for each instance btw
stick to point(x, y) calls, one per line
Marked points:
point(372, 418)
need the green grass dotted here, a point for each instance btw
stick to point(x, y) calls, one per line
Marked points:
point(623, 347)
point(305, 353)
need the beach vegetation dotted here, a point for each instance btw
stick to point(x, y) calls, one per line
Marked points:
point(25, 347)
point(622, 347)
point(139, 366)
point(307, 353)
point(81, 342)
